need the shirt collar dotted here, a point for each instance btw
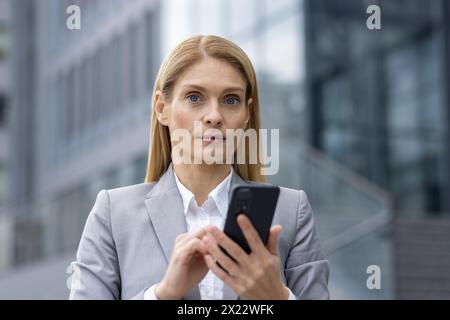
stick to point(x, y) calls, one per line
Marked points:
point(219, 194)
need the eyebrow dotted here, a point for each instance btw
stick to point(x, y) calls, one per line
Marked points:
point(200, 88)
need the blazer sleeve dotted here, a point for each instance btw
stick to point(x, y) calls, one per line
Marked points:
point(96, 271)
point(307, 271)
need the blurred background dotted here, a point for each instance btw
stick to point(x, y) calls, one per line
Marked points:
point(364, 119)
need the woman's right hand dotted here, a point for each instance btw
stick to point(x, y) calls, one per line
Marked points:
point(187, 266)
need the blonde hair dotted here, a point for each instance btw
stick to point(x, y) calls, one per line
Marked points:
point(187, 53)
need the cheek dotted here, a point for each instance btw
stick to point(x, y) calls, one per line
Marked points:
point(182, 117)
point(237, 120)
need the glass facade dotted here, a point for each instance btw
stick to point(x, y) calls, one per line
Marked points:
point(378, 98)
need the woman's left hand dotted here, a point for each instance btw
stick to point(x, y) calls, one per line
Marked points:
point(252, 276)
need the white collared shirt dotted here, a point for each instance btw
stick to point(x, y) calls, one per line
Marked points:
point(212, 212)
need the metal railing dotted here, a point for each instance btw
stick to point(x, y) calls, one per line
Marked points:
point(344, 197)
point(352, 216)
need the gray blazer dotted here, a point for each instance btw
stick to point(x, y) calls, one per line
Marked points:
point(129, 234)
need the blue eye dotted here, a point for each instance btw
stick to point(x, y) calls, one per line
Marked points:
point(193, 98)
point(232, 101)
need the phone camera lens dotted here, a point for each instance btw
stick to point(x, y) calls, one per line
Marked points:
point(244, 194)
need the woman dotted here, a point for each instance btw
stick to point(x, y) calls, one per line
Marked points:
point(160, 239)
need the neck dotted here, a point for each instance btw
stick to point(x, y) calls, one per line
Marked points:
point(201, 179)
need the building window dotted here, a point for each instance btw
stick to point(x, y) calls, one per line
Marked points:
point(2, 110)
point(132, 62)
point(151, 49)
point(140, 168)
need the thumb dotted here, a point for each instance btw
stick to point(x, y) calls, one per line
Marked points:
point(272, 243)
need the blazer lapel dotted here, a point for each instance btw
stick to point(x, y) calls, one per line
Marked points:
point(165, 209)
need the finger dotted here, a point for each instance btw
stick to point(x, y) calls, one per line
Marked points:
point(231, 247)
point(199, 234)
point(184, 238)
point(191, 247)
point(274, 235)
point(250, 234)
point(225, 261)
point(221, 274)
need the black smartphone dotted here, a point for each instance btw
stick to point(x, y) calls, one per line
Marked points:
point(258, 202)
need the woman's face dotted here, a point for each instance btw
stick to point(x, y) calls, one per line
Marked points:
point(211, 92)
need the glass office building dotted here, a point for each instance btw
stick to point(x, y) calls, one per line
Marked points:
point(378, 103)
point(378, 98)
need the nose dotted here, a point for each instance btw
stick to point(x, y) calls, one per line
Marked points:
point(213, 116)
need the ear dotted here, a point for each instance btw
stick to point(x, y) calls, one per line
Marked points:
point(249, 110)
point(160, 108)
